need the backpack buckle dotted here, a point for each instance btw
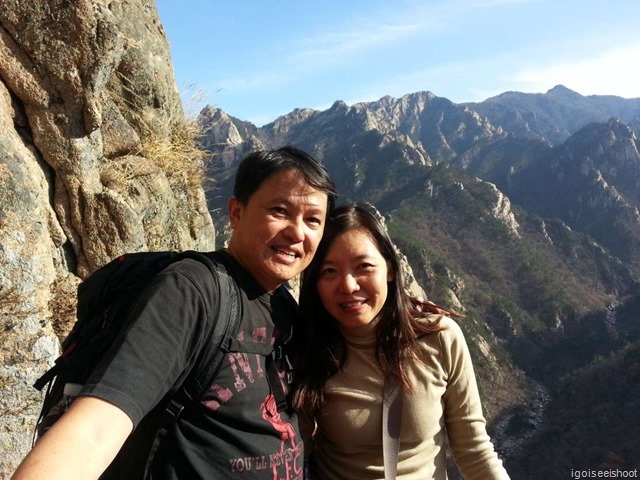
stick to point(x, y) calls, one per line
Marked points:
point(174, 409)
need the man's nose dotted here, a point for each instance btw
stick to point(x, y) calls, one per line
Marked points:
point(295, 230)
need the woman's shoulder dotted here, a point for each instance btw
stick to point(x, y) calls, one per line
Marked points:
point(447, 343)
point(447, 330)
point(442, 323)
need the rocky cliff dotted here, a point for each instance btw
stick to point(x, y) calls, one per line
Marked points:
point(95, 160)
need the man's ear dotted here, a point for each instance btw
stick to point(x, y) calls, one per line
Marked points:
point(234, 207)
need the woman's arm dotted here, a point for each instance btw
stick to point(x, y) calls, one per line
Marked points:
point(80, 445)
point(466, 426)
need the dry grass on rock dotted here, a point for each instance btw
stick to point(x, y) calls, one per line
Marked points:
point(178, 154)
point(175, 149)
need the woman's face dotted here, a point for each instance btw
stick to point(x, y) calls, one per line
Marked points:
point(353, 281)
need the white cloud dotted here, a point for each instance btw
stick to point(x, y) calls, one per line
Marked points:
point(331, 48)
point(260, 81)
point(339, 45)
point(612, 73)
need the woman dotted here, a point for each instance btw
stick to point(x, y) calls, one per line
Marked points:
point(361, 330)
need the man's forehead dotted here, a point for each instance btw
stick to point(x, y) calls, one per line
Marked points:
point(291, 183)
point(309, 197)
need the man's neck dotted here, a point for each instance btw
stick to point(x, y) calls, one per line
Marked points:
point(238, 258)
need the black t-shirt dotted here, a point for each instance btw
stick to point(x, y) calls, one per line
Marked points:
point(237, 431)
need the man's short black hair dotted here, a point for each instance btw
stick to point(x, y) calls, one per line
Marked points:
point(261, 164)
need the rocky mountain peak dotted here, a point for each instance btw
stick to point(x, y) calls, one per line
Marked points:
point(285, 122)
point(338, 106)
point(560, 91)
point(555, 115)
point(612, 143)
point(220, 125)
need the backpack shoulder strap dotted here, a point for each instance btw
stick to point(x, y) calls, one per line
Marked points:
point(224, 328)
point(225, 325)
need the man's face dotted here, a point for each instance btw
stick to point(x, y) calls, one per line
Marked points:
point(276, 233)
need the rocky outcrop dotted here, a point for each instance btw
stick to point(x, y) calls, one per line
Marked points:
point(227, 139)
point(500, 209)
point(590, 182)
point(85, 88)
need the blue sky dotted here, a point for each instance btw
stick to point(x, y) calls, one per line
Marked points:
point(259, 59)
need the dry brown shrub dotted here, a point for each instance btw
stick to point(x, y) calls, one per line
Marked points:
point(176, 150)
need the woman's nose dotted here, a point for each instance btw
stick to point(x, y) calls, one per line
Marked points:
point(349, 284)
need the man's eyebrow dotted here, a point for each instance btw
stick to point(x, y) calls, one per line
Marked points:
point(311, 205)
point(315, 209)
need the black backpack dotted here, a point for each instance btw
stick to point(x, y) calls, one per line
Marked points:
point(103, 302)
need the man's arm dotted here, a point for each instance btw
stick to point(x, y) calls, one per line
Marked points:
point(80, 445)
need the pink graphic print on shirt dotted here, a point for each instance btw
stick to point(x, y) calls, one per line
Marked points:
point(288, 457)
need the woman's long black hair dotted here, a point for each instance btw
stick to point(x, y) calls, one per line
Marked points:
point(320, 351)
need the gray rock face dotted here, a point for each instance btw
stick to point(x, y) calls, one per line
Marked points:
point(85, 87)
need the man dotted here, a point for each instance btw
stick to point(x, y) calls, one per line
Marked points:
point(277, 215)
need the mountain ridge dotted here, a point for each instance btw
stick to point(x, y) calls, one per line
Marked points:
point(520, 211)
point(555, 115)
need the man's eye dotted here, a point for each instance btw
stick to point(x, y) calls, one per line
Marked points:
point(278, 210)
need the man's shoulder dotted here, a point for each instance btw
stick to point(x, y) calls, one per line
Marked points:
point(195, 267)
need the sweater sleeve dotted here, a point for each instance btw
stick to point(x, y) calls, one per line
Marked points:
point(466, 426)
point(306, 423)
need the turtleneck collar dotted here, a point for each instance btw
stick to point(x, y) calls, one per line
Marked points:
point(363, 336)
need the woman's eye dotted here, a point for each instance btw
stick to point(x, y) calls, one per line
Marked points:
point(327, 271)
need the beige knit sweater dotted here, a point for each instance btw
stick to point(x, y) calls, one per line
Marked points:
point(444, 402)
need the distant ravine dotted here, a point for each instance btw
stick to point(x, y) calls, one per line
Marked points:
point(512, 432)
